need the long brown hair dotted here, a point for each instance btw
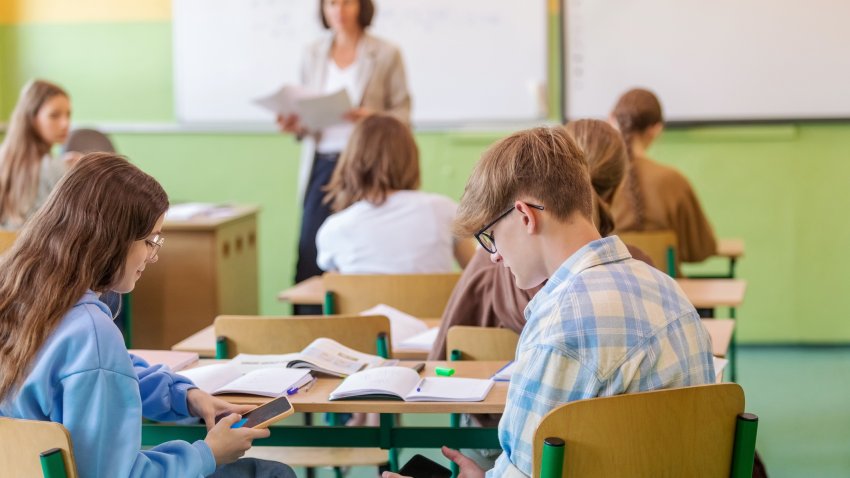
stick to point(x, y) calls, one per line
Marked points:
point(636, 111)
point(22, 151)
point(79, 240)
point(606, 157)
point(381, 157)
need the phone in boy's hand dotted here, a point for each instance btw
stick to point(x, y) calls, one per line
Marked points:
point(421, 467)
point(266, 414)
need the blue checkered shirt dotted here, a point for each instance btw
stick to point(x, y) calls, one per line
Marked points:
point(604, 324)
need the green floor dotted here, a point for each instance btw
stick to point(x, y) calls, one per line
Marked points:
point(802, 397)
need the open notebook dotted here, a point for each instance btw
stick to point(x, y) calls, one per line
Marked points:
point(403, 383)
point(231, 378)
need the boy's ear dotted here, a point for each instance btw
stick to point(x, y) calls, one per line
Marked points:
point(530, 219)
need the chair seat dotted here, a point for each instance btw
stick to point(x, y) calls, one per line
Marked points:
point(320, 456)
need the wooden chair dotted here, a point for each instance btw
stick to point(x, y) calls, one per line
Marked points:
point(481, 343)
point(7, 238)
point(35, 449)
point(278, 335)
point(660, 246)
point(420, 295)
point(697, 431)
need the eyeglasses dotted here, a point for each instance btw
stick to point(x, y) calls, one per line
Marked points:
point(155, 243)
point(486, 239)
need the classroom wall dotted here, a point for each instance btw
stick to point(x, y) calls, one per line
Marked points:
point(781, 188)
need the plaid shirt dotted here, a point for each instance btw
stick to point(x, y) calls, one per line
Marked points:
point(604, 324)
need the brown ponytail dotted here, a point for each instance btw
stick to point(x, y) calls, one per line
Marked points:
point(636, 111)
point(605, 153)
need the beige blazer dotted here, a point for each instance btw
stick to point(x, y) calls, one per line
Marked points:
point(381, 85)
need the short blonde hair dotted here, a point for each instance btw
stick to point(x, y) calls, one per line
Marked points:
point(542, 164)
point(381, 156)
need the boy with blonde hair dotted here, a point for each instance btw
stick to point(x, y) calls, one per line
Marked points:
point(604, 323)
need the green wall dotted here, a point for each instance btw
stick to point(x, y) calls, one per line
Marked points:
point(780, 188)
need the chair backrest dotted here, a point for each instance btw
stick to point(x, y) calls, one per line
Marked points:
point(277, 335)
point(661, 246)
point(7, 238)
point(687, 431)
point(35, 449)
point(88, 141)
point(420, 295)
point(481, 343)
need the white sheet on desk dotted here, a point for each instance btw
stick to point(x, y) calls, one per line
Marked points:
point(402, 325)
point(423, 342)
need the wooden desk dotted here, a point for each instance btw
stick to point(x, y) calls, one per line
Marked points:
point(721, 331)
point(730, 248)
point(307, 292)
point(207, 267)
point(713, 293)
point(203, 343)
point(388, 435)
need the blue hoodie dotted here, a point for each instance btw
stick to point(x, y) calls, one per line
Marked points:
point(84, 378)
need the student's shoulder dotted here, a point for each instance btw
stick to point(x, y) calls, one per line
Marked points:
point(431, 200)
point(672, 179)
point(88, 331)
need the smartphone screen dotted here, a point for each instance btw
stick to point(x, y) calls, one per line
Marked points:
point(421, 467)
point(264, 413)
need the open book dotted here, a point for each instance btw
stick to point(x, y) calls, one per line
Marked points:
point(231, 378)
point(323, 355)
point(403, 383)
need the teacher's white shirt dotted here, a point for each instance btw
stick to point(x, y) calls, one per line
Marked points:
point(334, 138)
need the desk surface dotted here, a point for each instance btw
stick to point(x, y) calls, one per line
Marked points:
point(316, 399)
point(203, 343)
point(711, 293)
point(307, 292)
point(720, 331)
point(212, 220)
point(731, 248)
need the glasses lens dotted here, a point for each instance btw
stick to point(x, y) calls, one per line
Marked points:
point(487, 242)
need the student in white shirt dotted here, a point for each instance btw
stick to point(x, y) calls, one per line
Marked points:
point(382, 223)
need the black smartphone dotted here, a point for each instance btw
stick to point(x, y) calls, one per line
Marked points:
point(268, 413)
point(421, 467)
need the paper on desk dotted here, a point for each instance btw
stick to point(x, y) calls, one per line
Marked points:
point(423, 342)
point(402, 326)
point(285, 100)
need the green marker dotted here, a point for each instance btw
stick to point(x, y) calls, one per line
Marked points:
point(444, 371)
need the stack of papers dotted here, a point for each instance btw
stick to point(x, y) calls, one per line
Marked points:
point(316, 111)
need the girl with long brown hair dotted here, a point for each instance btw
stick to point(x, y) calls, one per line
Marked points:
point(28, 173)
point(382, 223)
point(62, 358)
point(654, 196)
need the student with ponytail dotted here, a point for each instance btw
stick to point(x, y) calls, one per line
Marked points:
point(654, 196)
point(62, 359)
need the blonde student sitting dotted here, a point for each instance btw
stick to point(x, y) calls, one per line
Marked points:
point(62, 359)
point(604, 323)
point(654, 196)
point(382, 224)
point(28, 172)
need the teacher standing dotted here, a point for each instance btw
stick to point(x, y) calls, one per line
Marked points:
point(372, 72)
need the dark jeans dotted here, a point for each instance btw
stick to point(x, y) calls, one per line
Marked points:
point(313, 217)
point(253, 468)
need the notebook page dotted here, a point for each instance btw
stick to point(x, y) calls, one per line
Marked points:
point(212, 377)
point(451, 389)
point(267, 382)
point(398, 381)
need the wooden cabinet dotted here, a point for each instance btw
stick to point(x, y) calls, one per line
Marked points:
point(207, 267)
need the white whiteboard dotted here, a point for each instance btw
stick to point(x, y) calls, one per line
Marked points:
point(467, 61)
point(710, 60)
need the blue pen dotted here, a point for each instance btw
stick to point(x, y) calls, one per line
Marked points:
point(292, 391)
point(419, 385)
point(239, 423)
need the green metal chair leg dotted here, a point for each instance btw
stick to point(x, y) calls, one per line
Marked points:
point(744, 449)
point(552, 461)
point(733, 349)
